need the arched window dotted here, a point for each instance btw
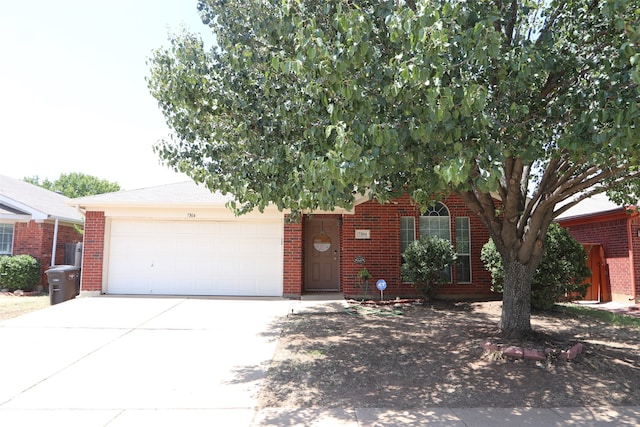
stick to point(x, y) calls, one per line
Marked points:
point(436, 222)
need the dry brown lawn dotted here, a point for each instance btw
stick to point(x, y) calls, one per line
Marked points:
point(432, 356)
point(13, 306)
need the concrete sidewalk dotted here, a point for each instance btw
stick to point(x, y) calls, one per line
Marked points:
point(454, 417)
point(627, 309)
point(134, 361)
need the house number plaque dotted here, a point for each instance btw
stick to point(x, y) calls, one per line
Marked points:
point(363, 234)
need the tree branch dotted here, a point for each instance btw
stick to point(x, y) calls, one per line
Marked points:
point(513, 201)
point(594, 191)
point(483, 206)
point(550, 21)
point(497, 24)
point(513, 18)
point(531, 205)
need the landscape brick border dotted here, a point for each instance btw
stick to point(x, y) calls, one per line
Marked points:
point(515, 352)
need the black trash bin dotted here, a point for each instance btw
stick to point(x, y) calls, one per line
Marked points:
point(63, 283)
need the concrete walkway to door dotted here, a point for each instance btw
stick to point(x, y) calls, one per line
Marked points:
point(130, 361)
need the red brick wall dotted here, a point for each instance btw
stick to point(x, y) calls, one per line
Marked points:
point(382, 251)
point(634, 225)
point(27, 239)
point(36, 239)
point(293, 258)
point(612, 234)
point(93, 251)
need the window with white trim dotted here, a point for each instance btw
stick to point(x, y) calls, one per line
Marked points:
point(6, 239)
point(407, 232)
point(463, 250)
point(436, 222)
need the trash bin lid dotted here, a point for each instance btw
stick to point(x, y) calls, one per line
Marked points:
point(62, 268)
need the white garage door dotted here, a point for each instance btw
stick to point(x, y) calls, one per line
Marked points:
point(195, 258)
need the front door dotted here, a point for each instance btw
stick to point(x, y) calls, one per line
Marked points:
point(322, 254)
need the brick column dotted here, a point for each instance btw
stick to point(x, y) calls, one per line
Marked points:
point(93, 252)
point(293, 260)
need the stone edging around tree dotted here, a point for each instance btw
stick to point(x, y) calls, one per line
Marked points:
point(514, 352)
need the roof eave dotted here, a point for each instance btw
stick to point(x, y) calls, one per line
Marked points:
point(17, 218)
point(34, 213)
point(611, 214)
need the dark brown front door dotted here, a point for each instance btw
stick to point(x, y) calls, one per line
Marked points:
point(322, 254)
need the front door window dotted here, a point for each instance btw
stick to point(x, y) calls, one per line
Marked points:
point(322, 242)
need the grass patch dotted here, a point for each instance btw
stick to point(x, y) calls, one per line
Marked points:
point(606, 316)
point(13, 306)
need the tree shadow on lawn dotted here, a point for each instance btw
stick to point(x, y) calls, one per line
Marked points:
point(432, 356)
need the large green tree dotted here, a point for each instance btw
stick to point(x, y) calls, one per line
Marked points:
point(522, 108)
point(76, 184)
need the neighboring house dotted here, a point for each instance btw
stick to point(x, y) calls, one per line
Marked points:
point(611, 235)
point(37, 222)
point(181, 239)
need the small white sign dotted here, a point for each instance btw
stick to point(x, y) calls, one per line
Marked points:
point(363, 234)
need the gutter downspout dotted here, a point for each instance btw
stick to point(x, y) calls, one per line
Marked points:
point(55, 243)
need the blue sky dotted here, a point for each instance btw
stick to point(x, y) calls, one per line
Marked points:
point(72, 92)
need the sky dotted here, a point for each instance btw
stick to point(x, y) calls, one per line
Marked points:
point(73, 96)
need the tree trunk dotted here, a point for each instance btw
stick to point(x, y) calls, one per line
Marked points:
point(516, 300)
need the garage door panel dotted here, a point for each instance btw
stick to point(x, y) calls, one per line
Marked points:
point(191, 258)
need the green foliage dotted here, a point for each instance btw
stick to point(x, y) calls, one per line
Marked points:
point(304, 104)
point(76, 184)
point(562, 270)
point(424, 262)
point(515, 106)
point(616, 319)
point(364, 274)
point(19, 272)
point(493, 263)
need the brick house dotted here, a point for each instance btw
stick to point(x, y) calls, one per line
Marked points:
point(181, 239)
point(373, 236)
point(37, 222)
point(611, 235)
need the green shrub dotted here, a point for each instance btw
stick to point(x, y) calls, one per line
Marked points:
point(562, 269)
point(424, 263)
point(19, 272)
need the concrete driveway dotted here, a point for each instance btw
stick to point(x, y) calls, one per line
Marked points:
point(131, 361)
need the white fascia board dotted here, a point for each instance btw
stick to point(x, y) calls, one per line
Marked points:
point(120, 205)
point(15, 218)
point(63, 219)
point(104, 205)
point(34, 213)
point(181, 211)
